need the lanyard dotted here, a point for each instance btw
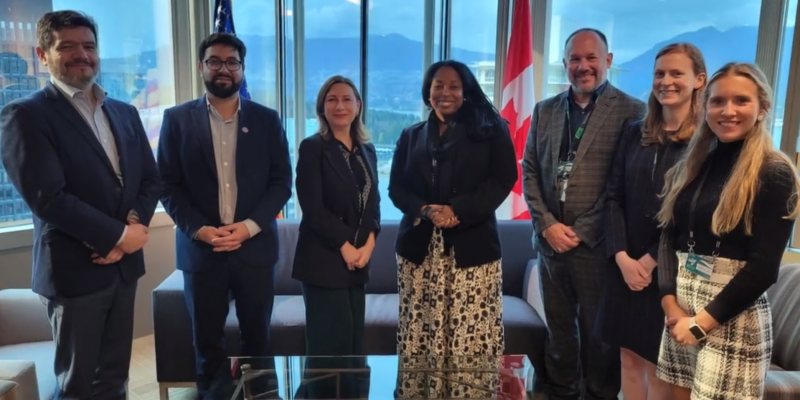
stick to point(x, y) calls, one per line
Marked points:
point(691, 243)
point(575, 139)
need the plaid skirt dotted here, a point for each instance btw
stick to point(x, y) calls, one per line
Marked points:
point(732, 362)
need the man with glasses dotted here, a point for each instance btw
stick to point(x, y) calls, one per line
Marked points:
point(226, 171)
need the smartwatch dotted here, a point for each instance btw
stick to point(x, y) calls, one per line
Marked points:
point(696, 330)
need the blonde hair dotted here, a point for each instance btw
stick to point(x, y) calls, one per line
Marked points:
point(358, 132)
point(653, 125)
point(739, 193)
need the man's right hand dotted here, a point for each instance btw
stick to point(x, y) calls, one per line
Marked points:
point(560, 237)
point(135, 238)
point(208, 234)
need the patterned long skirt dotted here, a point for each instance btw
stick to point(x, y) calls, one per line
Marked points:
point(732, 362)
point(450, 334)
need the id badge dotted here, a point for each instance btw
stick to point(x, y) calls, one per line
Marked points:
point(565, 169)
point(699, 266)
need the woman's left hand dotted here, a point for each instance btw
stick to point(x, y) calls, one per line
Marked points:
point(445, 218)
point(679, 329)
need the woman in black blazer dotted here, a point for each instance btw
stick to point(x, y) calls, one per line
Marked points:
point(630, 314)
point(449, 175)
point(337, 188)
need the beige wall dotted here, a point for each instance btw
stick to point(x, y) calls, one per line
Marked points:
point(15, 272)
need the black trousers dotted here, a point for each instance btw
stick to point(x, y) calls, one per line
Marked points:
point(579, 365)
point(334, 327)
point(208, 294)
point(93, 336)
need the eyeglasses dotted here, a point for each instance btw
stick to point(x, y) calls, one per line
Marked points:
point(216, 65)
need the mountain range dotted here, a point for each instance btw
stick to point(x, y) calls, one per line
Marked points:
point(395, 63)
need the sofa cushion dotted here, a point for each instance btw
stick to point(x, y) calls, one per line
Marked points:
point(784, 301)
point(24, 374)
point(523, 327)
point(8, 390)
point(43, 355)
point(515, 237)
point(782, 385)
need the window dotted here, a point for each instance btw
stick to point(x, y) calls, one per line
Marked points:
point(136, 65)
point(255, 26)
point(629, 28)
point(474, 40)
point(784, 61)
point(394, 78)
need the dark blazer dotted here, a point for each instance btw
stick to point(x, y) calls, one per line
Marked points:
point(189, 172)
point(636, 179)
point(583, 210)
point(60, 169)
point(327, 195)
point(484, 172)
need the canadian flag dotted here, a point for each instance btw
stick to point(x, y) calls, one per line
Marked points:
point(518, 97)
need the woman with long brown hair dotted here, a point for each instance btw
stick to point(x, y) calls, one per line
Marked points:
point(630, 314)
point(727, 214)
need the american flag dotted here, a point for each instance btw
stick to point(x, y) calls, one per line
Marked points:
point(223, 23)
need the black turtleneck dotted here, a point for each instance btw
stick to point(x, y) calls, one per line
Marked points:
point(763, 250)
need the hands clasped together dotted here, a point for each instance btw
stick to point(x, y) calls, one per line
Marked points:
point(135, 238)
point(357, 258)
point(225, 238)
point(441, 216)
point(637, 273)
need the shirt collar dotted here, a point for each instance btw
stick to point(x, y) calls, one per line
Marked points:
point(72, 91)
point(210, 107)
point(597, 92)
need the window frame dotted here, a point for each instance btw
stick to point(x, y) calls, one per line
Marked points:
point(188, 33)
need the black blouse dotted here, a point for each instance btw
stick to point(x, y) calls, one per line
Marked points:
point(763, 250)
point(359, 169)
point(632, 202)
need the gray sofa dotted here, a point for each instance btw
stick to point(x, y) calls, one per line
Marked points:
point(783, 379)
point(524, 329)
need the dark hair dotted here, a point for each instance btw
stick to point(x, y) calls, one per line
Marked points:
point(592, 30)
point(477, 112)
point(55, 21)
point(225, 39)
point(358, 132)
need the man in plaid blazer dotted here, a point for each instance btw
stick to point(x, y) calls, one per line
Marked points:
point(567, 158)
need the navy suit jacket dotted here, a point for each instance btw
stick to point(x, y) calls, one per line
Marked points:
point(60, 169)
point(189, 172)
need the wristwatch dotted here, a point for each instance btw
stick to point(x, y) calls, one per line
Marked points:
point(696, 330)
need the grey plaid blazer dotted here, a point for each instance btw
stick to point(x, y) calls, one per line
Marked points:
point(583, 209)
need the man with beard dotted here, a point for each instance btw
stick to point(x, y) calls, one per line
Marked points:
point(567, 158)
point(83, 164)
point(226, 171)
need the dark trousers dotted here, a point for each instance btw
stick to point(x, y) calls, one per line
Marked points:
point(207, 295)
point(572, 284)
point(334, 327)
point(93, 336)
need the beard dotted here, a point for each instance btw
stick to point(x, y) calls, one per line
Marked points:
point(222, 90)
point(75, 79)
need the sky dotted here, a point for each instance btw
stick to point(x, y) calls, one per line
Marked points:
point(632, 26)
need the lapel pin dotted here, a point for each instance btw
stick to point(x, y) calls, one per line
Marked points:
point(245, 130)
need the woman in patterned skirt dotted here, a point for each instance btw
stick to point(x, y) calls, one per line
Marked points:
point(449, 175)
point(727, 214)
point(630, 314)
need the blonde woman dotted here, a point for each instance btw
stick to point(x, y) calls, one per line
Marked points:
point(337, 188)
point(727, 214)
point(630, 314)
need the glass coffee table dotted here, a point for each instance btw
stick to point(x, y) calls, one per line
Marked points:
point(510, 377)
